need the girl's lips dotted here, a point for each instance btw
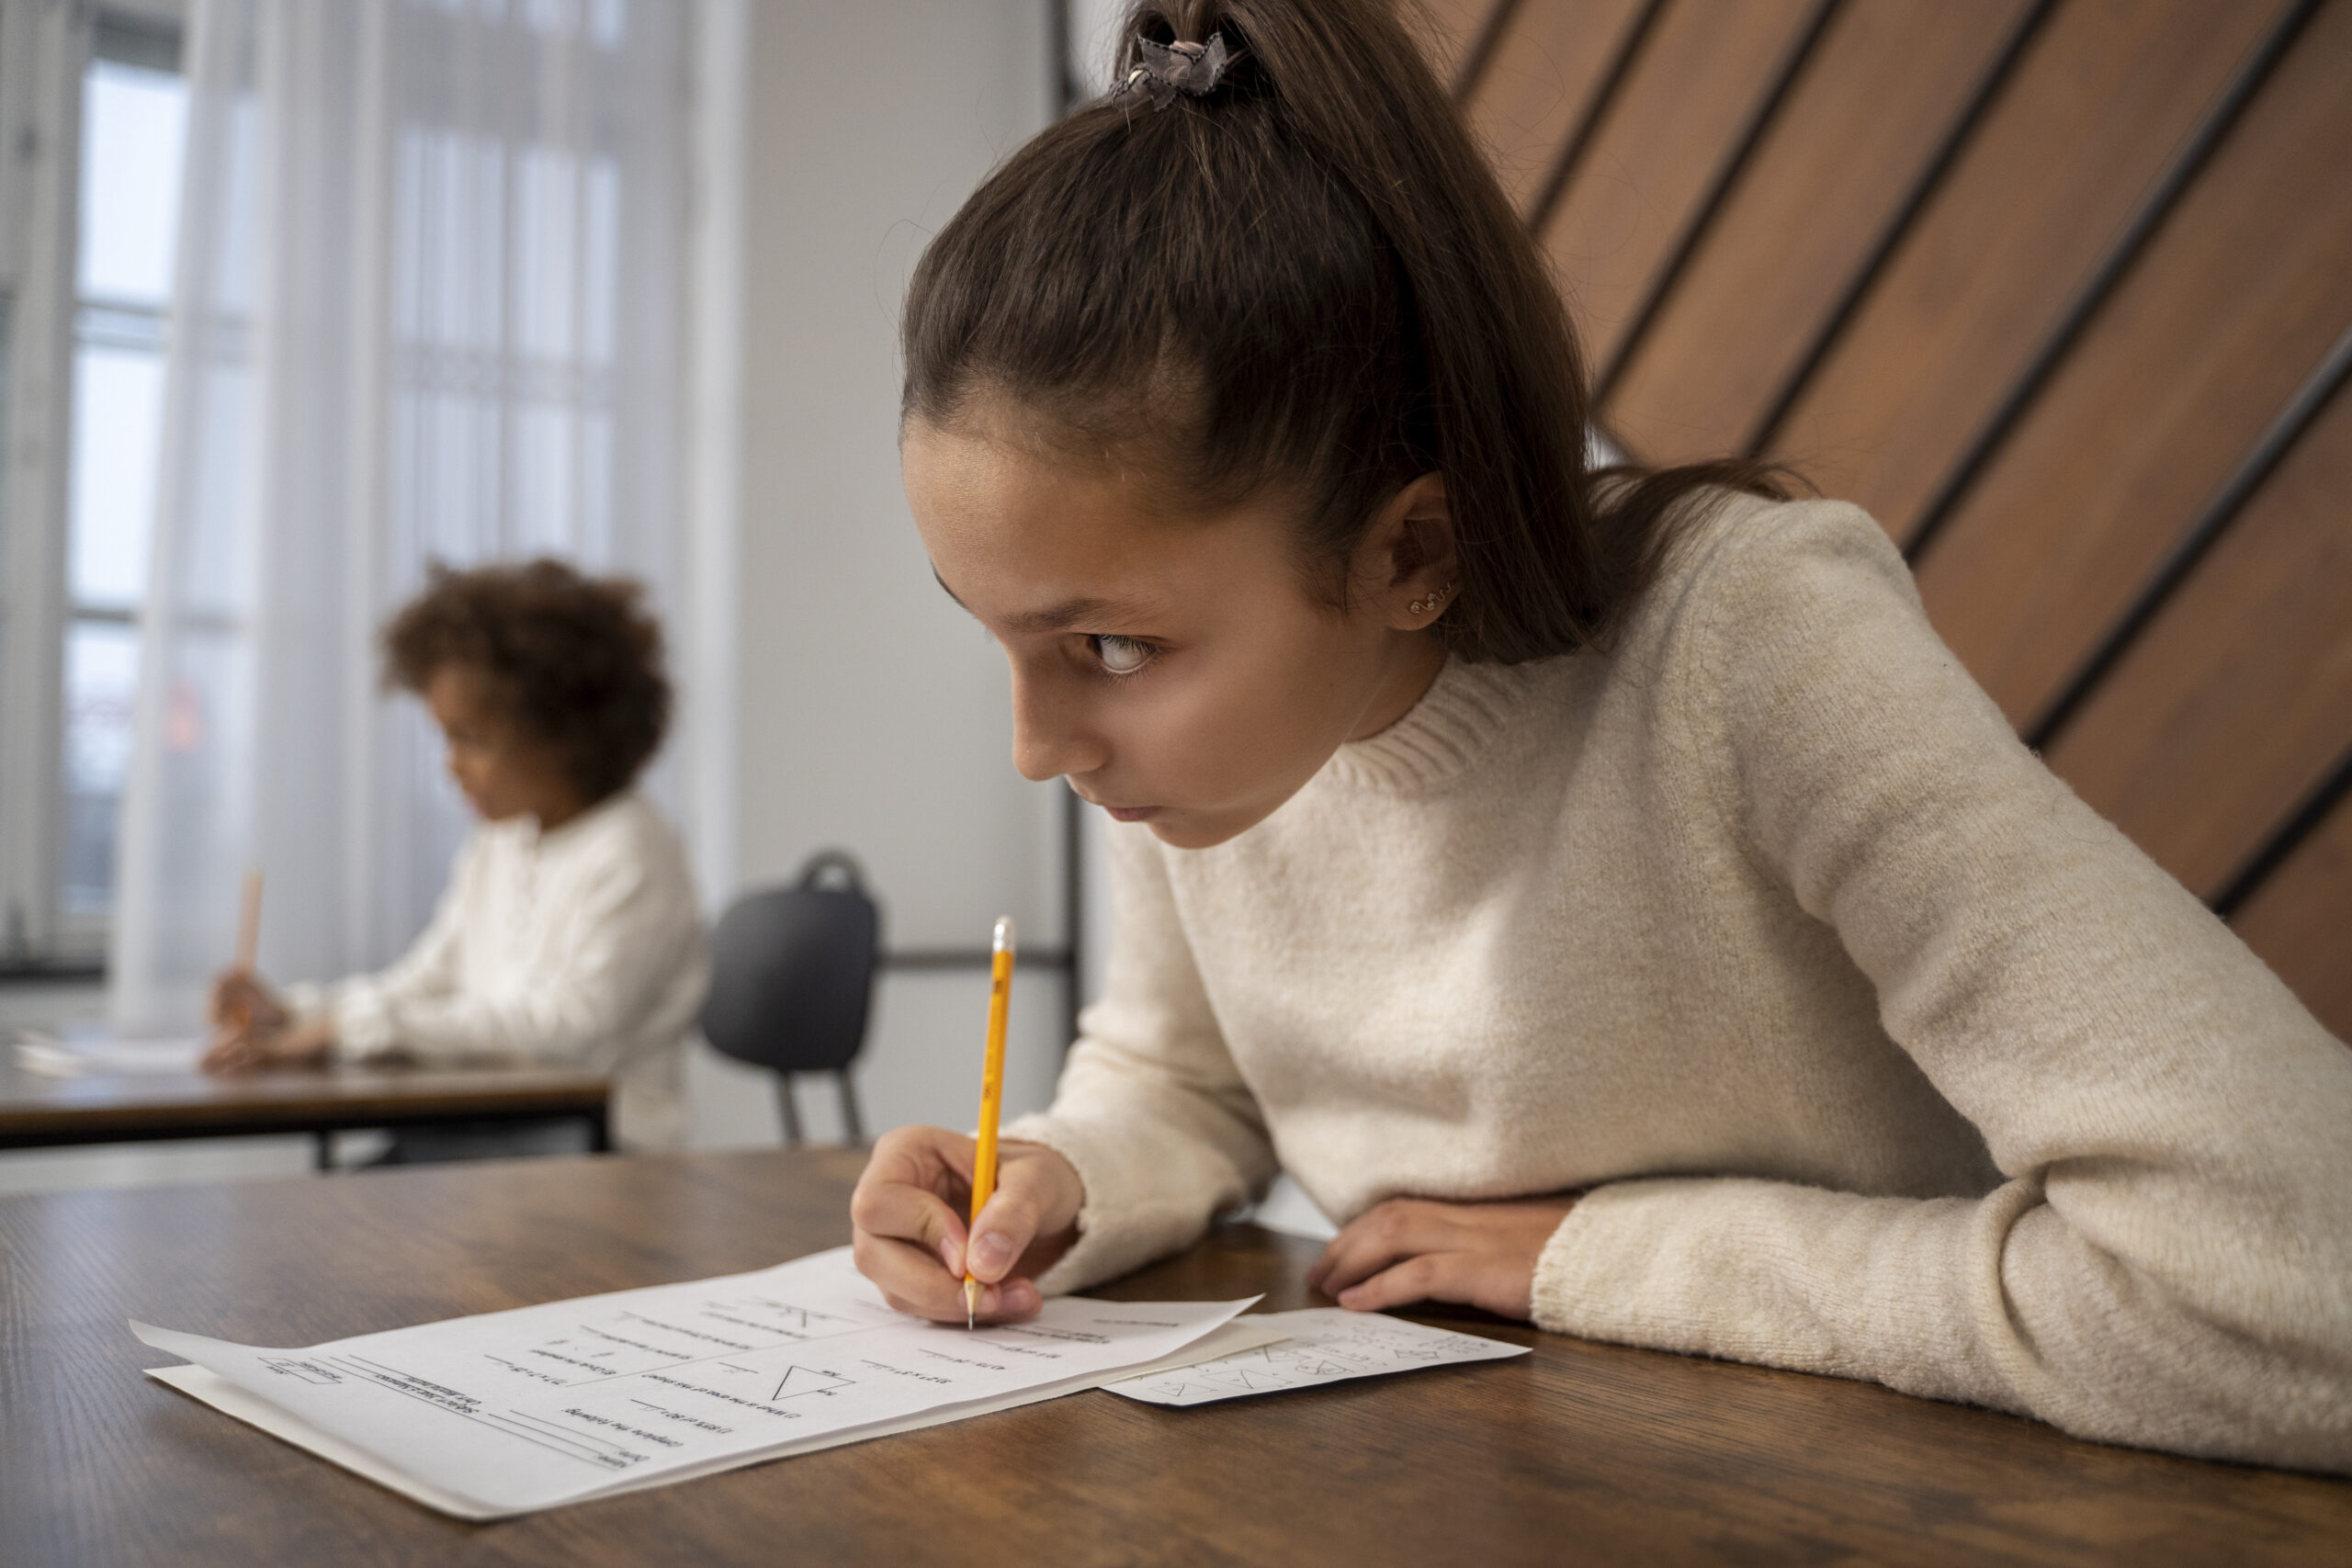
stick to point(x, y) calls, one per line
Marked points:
point(1132, 813)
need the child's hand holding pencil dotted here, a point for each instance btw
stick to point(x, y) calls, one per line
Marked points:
point(914, 1241)
point(912, 1237)
point(252, 1028)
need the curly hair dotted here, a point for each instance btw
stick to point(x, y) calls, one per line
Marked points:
point(576, 661)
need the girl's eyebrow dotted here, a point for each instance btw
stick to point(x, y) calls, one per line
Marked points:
point(1062, 616)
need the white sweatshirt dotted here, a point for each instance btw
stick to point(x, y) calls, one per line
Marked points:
point(1873, 1051)
point(581, 947)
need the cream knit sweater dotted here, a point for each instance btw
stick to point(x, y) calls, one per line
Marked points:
point(1874, 1051)
point(579, 947)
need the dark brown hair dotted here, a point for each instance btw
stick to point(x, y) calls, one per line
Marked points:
point(574, 660)
point(1306, 276)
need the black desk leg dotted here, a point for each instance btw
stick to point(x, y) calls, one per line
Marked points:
point(322, 1151)
point(600, 1135)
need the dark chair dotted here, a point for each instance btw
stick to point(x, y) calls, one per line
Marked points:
point(792, 981)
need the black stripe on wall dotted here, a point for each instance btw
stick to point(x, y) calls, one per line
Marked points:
point(2309, 401)
point(1727, 178)
point(1482, 51)
point(1596, 112)
point(2299, 825)
point(1923, 192)
point(2196, 153)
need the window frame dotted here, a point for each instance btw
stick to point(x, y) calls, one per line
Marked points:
point(46, 51)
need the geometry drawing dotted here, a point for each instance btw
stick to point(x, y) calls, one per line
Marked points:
point(807, 1380)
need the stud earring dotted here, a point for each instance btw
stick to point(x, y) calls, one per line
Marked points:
point(1431, 600)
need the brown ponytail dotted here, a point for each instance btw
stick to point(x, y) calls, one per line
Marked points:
point(1306, 276)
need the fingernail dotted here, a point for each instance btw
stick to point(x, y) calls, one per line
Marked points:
point(950, 1255)
point(991, 1254)
point(1021, 1296)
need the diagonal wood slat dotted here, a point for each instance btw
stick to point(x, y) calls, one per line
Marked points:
point(1658, 151)
point(1886, 85)
point(2238, 697)
point(2298, 917)
point(2254, 471)
point(1450, 33)
point(2009, 240)
point(1531, 92)
point(2235, 298)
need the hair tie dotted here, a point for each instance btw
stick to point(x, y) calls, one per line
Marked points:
point(1164, 70)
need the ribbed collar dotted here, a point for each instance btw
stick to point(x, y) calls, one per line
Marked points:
point(1458, 721)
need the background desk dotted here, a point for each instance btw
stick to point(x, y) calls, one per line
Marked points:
point(38, 1112)
point(1579, 1452)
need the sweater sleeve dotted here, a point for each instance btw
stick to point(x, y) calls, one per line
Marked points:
point(360, 1003)
point(2167, 1261)
point(1150, 1110)
point(632, 945)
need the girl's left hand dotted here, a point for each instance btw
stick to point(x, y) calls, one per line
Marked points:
point(1414, 1249)
point(303, 1043)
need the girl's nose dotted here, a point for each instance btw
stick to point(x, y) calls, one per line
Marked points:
point(1049, 736)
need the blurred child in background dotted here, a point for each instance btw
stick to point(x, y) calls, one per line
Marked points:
point(570, 934)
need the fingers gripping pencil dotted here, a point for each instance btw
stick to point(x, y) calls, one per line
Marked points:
point(991, 1096)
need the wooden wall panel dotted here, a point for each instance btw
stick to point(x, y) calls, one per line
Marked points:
point(2237, 698)
point(2236, 301)
point(2048, 285)
point(1449, 31)
point(1532, 93)
point(2300, 921)
point(1868, 112)
point(1697, 82)
point(2095, 114)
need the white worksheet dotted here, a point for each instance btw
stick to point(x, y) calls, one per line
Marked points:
point(514, 1411)
point(101, 1055)
point(1325, 1345)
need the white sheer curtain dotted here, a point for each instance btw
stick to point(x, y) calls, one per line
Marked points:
point(429, 305)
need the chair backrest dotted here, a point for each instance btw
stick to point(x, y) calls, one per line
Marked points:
point(792, 971)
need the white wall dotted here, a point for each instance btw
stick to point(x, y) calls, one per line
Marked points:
point(1093, 40)
point(871, 712)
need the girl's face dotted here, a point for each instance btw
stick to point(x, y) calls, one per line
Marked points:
point(501, 770)
point(1177, 669)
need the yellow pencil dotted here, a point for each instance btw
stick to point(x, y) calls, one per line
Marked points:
point(249, 923)
point(991, 1095)
point(248, 939)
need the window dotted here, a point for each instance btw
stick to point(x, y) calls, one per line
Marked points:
point(134, 109)
point(82, 369)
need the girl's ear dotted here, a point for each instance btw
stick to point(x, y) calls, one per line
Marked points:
point(1405, 563)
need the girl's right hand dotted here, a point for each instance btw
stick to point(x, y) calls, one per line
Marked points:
point(908, 1213)
point(241, 999)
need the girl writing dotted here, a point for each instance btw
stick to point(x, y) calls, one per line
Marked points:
point(1600, 890)
point(570, 933)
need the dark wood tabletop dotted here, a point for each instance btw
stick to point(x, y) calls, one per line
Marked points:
point(38, 1110)
point(1578, 1453)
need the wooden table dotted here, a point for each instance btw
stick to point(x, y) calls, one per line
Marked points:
point(1578, 1453)
point(38, 1111)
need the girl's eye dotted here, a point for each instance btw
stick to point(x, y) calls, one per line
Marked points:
point(1120, 655)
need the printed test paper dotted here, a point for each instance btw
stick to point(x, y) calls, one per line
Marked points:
point(513, 1411)
point(1323, 1345)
